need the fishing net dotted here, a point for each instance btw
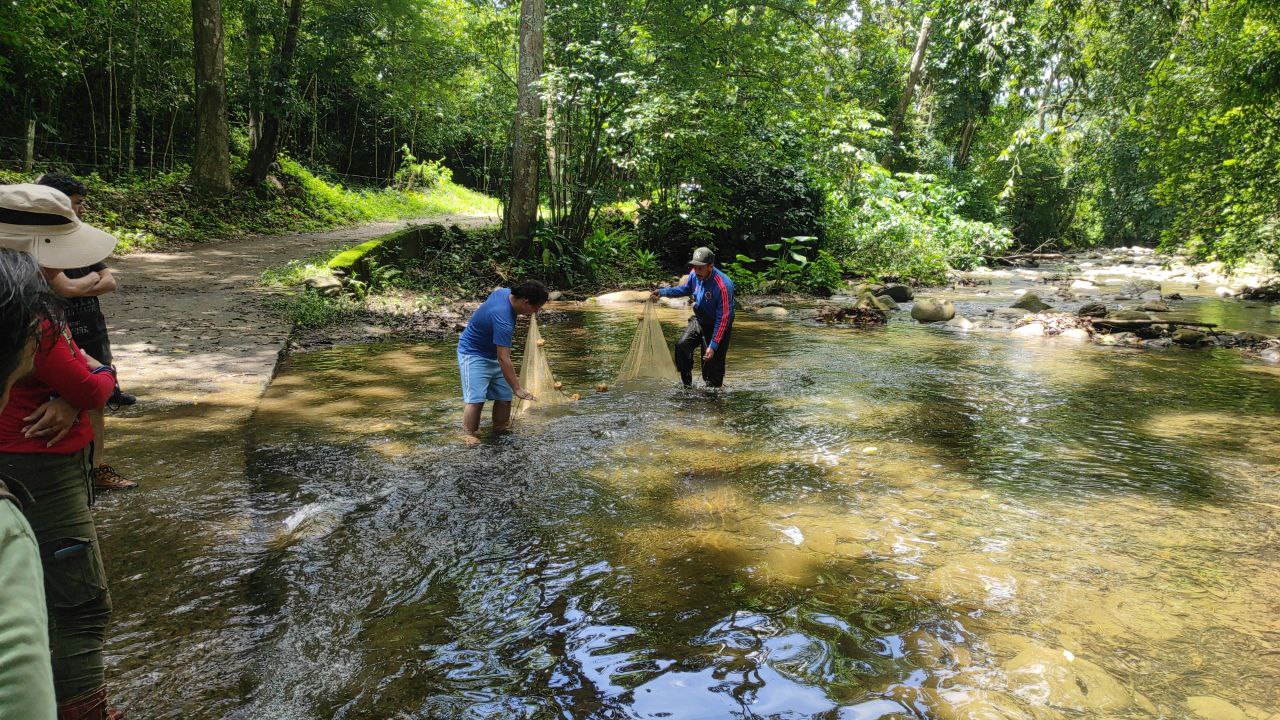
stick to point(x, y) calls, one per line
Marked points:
point(649, 356)
point(535, 374)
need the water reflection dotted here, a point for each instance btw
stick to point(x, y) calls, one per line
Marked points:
point(1040, 532)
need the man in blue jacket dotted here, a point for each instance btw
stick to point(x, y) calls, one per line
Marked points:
point(712, 323)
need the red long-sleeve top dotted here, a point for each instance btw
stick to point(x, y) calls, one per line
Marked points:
point(60, 370)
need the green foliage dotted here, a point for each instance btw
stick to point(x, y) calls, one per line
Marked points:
point(149, 213)
point(907, 226)
point(420, 175)
point(308, 310)
point(788, 269)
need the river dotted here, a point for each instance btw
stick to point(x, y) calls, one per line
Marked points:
point(904, 522)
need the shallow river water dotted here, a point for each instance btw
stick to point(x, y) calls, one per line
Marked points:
point(896, 523)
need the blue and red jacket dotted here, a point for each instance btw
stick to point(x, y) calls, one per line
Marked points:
point(712, 302)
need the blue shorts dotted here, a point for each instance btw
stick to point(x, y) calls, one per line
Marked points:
point(482, 379)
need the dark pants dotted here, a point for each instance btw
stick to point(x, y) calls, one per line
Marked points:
point(74, 580)
point(695, 338)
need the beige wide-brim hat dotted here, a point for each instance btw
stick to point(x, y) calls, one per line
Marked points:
point(40, 220)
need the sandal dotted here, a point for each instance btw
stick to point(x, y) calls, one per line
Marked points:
point(105, 477)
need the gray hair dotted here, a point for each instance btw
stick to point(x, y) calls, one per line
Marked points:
point(25, 300)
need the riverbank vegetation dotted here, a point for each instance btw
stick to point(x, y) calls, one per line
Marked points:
point(899, 139)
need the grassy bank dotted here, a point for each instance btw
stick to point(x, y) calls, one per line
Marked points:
point(162, 211)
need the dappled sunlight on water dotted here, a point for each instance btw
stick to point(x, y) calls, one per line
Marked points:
point(891, 524)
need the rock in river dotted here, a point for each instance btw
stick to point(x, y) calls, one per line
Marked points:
point(960, 323)
point(929, 310)
point(1032, 302)
point(1189, 337)
point(897, 291)
point(623, 296)
point(1030, 330)
point(1154, 306)
point(772, 311)
point(1095, 309)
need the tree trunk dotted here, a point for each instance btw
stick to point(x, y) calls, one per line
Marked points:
point(211, 166)
point(1044, 96)
point(522, 206)
point(913, 77)
point(553, 160)
point(966, 141)
point(29, 161)
point(264, 154)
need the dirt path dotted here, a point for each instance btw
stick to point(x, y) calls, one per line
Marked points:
point(197, 321)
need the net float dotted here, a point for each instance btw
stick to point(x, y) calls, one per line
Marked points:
point(558, 385)
point(541, 342)
point(575, 396)
point(601, 387)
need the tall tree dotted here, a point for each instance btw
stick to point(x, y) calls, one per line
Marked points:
point(913, 78)
point(264, 151)
point(526, 140)
point(211, 166)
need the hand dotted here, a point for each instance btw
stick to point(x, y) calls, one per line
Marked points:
point(706, 356)
point(525, 395)
point(91, 279)
point(54, 418)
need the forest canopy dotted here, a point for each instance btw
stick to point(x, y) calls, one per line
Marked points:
point(903, 137)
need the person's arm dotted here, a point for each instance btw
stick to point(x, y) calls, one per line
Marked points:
point(725, 298)
point(68, 288)
point(106, 283)
point(509, 372)
point(684, 289)
point(87, 386)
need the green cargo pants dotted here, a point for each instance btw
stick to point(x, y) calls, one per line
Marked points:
point(75, 582)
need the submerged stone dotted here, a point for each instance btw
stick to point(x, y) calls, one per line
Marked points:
point(1189, 337)
point(1030, 330)
point(1045, 676)
point(1214, 708)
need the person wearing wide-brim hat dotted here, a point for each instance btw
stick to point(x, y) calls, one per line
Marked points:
point(41, 221)
point(711, 326)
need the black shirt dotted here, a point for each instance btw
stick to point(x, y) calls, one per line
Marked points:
point(84, 314)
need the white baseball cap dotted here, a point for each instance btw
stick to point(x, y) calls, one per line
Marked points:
point(39, 220)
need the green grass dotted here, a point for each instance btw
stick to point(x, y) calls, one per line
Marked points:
point(148, 213)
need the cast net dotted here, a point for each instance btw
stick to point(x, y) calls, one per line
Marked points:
point(649, 356)
point(535, 374)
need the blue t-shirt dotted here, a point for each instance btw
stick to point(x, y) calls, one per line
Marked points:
point(493, 324)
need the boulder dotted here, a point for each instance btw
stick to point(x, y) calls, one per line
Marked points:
point(1173, 296)
point(326, 285)
point(1129, 315)
point(1095, 309)
point(1249, 338)
point(623, 296)
point(1010, 313)
point(960, 323)
point(897, 291)
point(886, 303)
point(929, 310)
point(555, 295)
point(1266, 293)
point(1031, 303)
point(1083, 285)
point(1190, 337)
point(675, 302)
point(873, 288)
point(772, 311)
point(1079, 334)
point(1121, 339)
point(1271, 355)
point(1154, 306)
point(1030, 330)
point(1224, 292)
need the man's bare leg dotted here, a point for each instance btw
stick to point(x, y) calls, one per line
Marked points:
point(501, 414)
point(471, 418)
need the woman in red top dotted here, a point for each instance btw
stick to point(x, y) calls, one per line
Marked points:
point(57, 476)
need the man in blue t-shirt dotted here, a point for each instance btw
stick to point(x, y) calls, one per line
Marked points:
point(484, 354)
point(711, 326)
